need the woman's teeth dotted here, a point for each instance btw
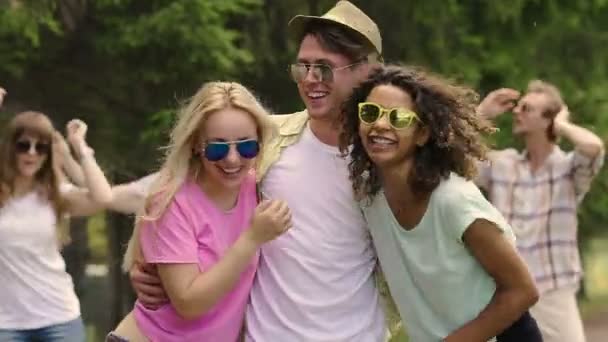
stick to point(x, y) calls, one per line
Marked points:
point(230, 171)
point(382, 140)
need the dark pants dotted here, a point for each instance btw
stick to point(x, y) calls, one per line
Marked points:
point(115, 338)
point(524, 329)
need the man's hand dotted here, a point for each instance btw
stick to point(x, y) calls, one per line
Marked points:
point(147, 285)
point(497, 102)
point(2, 94)
point(561, 118)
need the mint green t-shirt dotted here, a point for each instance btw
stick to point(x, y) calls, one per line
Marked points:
point(435, 281)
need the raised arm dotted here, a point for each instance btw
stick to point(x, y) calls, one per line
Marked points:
point(493, 105)
point(498, 102)
point(129, 198)
point(66, 162)
point(584, 141)
point(98, 192)
point(2, 94)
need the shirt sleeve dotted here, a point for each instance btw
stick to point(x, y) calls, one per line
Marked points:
point(584, 169)
point(483, 179)
point(170, 239)
point(460, 207)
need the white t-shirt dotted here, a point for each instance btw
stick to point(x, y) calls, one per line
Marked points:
point(35, 289)
point(436, 282)
point(315, 283)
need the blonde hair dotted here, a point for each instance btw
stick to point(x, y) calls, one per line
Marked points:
point(554, 102)
point(180, 162)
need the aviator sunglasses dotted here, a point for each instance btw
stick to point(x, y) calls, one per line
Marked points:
point(218, 150)
point(24, 146)
point(320, 72)
point(398, 118)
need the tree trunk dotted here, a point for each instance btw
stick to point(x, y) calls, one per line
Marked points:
point(119, 231)
point(76, 254)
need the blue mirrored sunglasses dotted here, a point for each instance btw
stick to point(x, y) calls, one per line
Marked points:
point(218, 150)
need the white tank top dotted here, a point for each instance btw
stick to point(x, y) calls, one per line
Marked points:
point(35, 289)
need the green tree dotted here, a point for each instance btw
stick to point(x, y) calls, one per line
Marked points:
point(122, 65)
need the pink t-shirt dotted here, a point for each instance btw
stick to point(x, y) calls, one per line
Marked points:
point(194, 230)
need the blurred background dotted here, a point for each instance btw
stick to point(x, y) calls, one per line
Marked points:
point(124, 66)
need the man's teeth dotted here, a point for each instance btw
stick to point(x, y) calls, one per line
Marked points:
point(316, 94)
point(381, 140)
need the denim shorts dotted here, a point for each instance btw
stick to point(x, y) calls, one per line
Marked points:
point(72, 331)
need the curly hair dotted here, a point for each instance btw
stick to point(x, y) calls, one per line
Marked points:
point(446, 109)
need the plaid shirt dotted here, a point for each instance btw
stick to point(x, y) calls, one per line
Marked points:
point(541, 207)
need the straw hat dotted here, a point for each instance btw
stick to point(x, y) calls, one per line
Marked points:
point(345, 14)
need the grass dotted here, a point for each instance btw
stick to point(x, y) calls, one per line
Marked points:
point(98, 238)
point(596, 285)
point(91, 332)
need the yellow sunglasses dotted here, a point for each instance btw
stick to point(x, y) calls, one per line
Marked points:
point(399, 118)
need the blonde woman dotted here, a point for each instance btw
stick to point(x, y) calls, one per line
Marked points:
point(202, 225)
point(38, 302)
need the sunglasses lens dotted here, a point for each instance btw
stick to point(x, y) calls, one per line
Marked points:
point(216, 151)
point(320, 72)
point(369, 113)
point(400, 118)
point(43, 148)
point(326, 74)
point(248, 149)
point(22, 146)
point(298, 72)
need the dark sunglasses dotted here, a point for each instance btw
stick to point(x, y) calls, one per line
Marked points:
point(398, 118)
point(218, 150)
point(24, 146)
point(320, 72)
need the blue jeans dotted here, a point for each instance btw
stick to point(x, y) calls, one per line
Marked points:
point(72, 331)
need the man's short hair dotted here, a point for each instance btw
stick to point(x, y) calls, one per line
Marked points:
point(554, 103)
point(339, 39)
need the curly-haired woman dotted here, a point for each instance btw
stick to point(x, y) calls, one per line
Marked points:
point(447, 253)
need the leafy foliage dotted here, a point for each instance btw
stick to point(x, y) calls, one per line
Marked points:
point(124, 65)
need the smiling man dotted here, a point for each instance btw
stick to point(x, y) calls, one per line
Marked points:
point(315, 283)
